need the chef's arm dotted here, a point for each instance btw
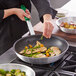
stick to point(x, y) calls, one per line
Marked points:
point(47, 17)
point(46, 14)
point(8, 12)
point(43, 7)
point(17, 11)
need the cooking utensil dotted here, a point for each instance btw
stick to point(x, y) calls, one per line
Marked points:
point(9, 66)
point(28, 22)
point(68, 20)
point(53, 41)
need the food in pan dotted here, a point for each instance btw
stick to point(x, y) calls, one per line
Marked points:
point(13, 72)
point(68, 25)
point(40, 51)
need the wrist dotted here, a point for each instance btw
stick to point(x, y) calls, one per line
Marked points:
point(47, 17)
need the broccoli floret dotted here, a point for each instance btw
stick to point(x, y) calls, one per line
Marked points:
point(13, 71)
point(3, 72)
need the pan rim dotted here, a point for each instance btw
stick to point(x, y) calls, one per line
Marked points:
point(45, 57)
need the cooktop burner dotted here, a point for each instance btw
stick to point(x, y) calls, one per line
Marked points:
point(68, 67)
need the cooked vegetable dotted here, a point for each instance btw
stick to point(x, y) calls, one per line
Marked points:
point(30, 46)
point(40, 51)
point(68, 25)
point(13, 72)
point(42, 37)
point(3, 72)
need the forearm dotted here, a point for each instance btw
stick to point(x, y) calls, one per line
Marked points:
point(8, 12)
point(44, 7)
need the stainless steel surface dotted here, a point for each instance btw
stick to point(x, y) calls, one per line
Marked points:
point(8, 56)
point(66, 72)
point(54, 41)
point(73, 44)
point(66, 19)
point(30, 28)
point(9, 66)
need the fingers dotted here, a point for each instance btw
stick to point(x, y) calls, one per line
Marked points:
point(27, 11)
point(22, 18)
point(48, 28)
point(45, 30)
point(27, 14)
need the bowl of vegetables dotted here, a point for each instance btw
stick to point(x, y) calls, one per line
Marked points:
point(11, 69)
point(67, 24)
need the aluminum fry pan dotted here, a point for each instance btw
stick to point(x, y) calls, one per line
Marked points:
point(53, 41)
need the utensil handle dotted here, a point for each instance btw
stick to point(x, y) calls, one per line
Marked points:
point(24, 8)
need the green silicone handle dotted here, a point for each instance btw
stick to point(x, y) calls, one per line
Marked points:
point(24, 8)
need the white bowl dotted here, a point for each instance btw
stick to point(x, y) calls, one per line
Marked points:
point(9, 66)
point(68, 20)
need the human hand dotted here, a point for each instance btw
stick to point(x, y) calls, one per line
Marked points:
point(48, 28)
point(48, 25)
point(21, 13)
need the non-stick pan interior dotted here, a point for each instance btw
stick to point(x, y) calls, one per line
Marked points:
point(53, 41)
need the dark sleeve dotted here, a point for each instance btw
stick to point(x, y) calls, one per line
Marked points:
point(43, 7)
point(1, 15)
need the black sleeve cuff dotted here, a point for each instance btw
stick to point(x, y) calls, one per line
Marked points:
point(43, 7)
point(1, 15)
point(50, 11)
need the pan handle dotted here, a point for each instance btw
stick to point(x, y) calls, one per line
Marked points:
point(24, 8)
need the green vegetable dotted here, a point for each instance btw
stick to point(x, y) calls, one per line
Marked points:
point(51, 50)
point(25, 50)
point(3, 72)
point(22, 74)
point(13, 71)
point(35, 47)
point(42, 37)
point(30, 55)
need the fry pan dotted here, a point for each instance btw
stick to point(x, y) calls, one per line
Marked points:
point(53, 41)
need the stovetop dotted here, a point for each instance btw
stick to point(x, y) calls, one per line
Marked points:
point(41, 69)
point(64, 67)
point(68, 67)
